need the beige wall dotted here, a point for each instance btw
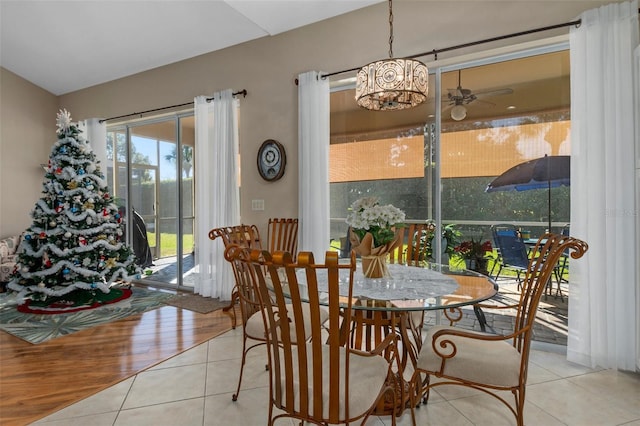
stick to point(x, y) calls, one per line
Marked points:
point(267, 68)
point(27, 132)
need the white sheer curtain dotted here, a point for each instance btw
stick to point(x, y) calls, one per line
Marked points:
point(313, 163)
point(603, 288)
point(637, 79)
point(217, 192)
point(96, 133)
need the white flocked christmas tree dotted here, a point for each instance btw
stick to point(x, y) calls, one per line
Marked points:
point(76, 242)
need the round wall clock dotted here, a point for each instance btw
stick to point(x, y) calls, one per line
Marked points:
point(271, 160)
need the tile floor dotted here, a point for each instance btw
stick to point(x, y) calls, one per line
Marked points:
point(195, 387)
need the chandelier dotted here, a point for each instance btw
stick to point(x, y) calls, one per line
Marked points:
point(394, 83)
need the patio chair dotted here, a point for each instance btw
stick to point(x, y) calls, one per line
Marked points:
point(492, 363)
point(562, 268)
point(320, 381)
point(512, 251)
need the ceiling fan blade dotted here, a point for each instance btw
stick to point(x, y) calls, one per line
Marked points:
point(497, 92)
point(484, 103)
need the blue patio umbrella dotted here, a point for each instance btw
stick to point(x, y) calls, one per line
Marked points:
point(542, 173)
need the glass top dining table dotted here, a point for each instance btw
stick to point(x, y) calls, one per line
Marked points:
point(396, 304)
point(410, 288)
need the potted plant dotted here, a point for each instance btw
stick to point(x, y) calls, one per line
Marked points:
point(474, 253)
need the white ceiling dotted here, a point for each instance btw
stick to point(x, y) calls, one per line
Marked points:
point(63, 46)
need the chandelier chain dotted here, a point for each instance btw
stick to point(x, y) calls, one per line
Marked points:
point(390, 30)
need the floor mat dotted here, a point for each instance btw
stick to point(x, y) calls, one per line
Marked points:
point(38, 328)
point(196, 303)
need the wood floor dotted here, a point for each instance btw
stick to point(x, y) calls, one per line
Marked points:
point(37, 380)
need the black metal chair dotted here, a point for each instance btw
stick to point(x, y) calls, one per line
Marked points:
point(561, 268)
point(512, 251)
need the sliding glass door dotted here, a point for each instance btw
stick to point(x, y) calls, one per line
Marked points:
point(154, 187)
point(435, 161)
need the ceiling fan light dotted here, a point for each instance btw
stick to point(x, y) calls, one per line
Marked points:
point(458, 112)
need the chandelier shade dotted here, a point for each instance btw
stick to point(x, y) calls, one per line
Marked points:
point(392, 84)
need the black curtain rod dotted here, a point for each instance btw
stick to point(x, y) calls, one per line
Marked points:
point(242, 92)
point(435, 52)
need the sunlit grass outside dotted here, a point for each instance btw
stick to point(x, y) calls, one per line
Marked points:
point(169, 243)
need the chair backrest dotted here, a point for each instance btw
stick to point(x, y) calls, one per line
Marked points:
point(282, 235)
point(297, 385)
point(416, 247)
point(242, 235)
point(245, 236)
point(511, 246)
point(550, 247)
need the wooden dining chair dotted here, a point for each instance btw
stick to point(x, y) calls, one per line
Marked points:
point(282, 235)
point(244, 236)
point(415, 250)
point(492, 363)
point(243, 295)
point(415, 247)
point(313, 376)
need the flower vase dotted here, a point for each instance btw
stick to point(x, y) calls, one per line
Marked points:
point(374, 266)
point(478, 264)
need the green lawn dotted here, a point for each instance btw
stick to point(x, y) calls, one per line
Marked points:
point(169, 243)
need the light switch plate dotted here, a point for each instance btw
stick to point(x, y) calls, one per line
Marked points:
point(257, 205)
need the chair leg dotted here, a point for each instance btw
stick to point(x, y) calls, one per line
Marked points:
point(231, 307)
point(499, 270)
point(482, 320)
point(234, 397)
point(425, 383)
point(519, 280)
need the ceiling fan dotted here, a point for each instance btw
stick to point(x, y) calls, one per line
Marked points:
point(460, 96)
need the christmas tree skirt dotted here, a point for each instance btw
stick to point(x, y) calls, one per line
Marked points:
point(38, 328)
point(78, 300)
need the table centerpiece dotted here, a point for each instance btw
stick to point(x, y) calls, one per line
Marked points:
point(373, 233)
